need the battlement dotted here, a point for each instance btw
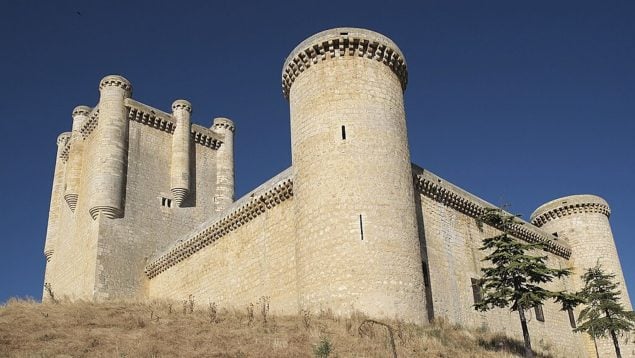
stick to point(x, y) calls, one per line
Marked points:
point(451, 195)
point(116, 81)
point(569, 205)
point(225, 123)
point(250, 206)
point(340, 42)
point(151, 117)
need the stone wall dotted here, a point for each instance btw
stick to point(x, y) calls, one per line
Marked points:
point(103, 257)
point(242, 254)
point(450, 250)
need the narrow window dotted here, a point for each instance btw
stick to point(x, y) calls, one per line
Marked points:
point(165, 202)
point(540, 315)
point(343, 132)
point(571, 318)
point(361, 227)
point(476, 290)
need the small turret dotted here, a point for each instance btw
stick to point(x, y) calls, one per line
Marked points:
point(180, 167)
point(75, 157)
point(224, 164)
point(52, 230)
point(108, 184)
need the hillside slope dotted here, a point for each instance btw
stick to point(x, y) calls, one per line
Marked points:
point(193, 329)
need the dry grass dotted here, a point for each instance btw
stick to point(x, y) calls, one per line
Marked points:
point(163, 329)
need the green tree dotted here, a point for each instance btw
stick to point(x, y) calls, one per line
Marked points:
point(515, 275)
point(603, 315)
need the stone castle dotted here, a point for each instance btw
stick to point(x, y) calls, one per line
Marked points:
point(142, 207)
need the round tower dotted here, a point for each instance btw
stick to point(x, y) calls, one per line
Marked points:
point(74, 170)
point(583, 221)
point(52, 230)
point(180, 166)
point(224, 164)
point(357, 242)
point(108, 184)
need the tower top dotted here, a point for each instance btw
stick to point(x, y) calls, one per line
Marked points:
point(569, 205)
point(181, 103)
point(81, 110)
point(116, 81)
point(340, 42)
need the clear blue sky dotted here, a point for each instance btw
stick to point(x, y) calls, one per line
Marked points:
point(519, 102)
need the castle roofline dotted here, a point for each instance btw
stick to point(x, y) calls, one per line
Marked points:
point(440, 190)
point(251, 205)
point(339, 42)
point(568, 205)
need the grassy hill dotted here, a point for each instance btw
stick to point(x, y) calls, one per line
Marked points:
point(194, 329)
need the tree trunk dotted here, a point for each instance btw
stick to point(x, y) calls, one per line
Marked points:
point(523, 323)
point(616, 344)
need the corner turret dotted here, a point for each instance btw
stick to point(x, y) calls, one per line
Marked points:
point(224, 164)
point(108, 184)
point(180, 167)
point(75, 157)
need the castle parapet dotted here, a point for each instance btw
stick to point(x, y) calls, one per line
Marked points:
point(570, 205)
point(341, 42)
point(112, 137)
point(180, 166)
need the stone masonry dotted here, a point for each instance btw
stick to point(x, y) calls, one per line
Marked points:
point(142, 208)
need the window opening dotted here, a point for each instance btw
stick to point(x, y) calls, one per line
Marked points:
point(343, 132)
point(476, 290)
point(361, 227)
point(165, 202)
point(540, 315)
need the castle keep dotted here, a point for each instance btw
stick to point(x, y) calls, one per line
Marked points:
point(142, 207)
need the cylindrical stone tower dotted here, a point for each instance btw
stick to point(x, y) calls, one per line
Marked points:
point(180, 167)
point(224, 164)
point(52, 231)
point(583, 221)
point(357, 242)
point(56, 197)
point(75, 156)
point(108, 185)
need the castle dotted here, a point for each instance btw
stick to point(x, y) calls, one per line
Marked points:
point(142, 207)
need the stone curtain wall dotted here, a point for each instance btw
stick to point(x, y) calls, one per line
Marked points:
point(450, 248)
point(248, 260)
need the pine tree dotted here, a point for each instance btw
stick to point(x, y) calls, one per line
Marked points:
point(603, 315)
point(514, 278)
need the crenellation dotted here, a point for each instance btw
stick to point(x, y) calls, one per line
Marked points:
point(446, 193)
point(351, 226)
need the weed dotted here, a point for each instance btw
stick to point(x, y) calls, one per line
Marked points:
point(324, 348)
point(264, 308)
point(212, 312)
point(250, 314)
